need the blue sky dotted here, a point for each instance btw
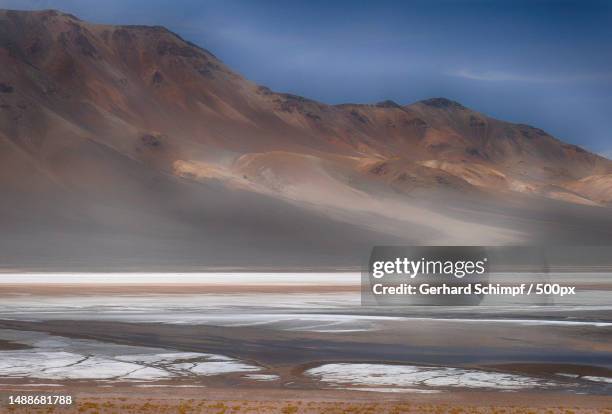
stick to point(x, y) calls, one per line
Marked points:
point(546, 63)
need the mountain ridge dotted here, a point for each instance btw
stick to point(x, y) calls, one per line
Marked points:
point(135, 125)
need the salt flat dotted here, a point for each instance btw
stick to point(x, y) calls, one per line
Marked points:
point(59, 358)
point(137, 278)
point(290, 337)
point(385, 375)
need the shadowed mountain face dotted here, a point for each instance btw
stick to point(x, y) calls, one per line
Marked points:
point(128, 146)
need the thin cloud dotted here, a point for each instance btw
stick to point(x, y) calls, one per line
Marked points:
point(502, 76)
point(607, 154)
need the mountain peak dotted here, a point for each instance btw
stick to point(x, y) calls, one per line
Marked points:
point(45, 13)
point(388, 104)
point(442, 103)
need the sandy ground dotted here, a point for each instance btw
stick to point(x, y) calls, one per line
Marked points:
point(226, 401)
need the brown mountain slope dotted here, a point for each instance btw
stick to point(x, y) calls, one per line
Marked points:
point(132, 133)
point(597, 188)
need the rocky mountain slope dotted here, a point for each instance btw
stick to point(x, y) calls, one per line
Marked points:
point(128, 142)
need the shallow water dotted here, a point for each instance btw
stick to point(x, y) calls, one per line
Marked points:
point(319, 312)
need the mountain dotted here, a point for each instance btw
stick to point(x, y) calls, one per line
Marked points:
point(130, 146)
